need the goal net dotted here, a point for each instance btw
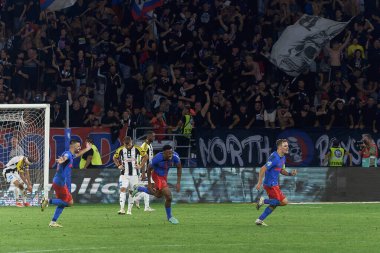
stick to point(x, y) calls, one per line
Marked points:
point(24, 131)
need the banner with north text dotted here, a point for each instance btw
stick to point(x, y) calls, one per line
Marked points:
point(251, 148)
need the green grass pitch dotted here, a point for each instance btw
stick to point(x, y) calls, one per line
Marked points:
point(203, 228)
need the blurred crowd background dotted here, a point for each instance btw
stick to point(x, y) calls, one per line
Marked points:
point(206, 59)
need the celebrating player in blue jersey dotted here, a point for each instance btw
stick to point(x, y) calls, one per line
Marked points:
point(274, 166)
point(62, 181)
point(158, 169)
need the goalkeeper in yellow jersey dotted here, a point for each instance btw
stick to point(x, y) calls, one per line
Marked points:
point(16, 172)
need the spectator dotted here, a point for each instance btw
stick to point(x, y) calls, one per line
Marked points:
point(252, 70)
point(146, 49)
point(142, 118)
point(65, 76)
point(77, 114)
point(266, 96)
point(355, 46)
point(111, 96)
point(246, 118)
point(201, 112)
point(374, 61)
point(335, 56)
point(258, 113)
point(110, 120)
point(186, 93)
point(164, 87)
point(357, 113)
point(305, 118)
point(127, 122)
point(57, 116)
point(80, 70)
point(298, 95)
point(127, 60)
point(323, 112)
point(230, 119)
point(91, 120)
point(20, 78)
point(369, 151)
point(369, 115)
point(339, 116)
point(285, 118)
point(215, 114)
point(159, 125)
point(16, 146)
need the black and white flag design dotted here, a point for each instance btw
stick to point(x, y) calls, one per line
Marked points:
point(300, 43)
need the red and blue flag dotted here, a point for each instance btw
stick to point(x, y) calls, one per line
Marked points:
point(141, 7)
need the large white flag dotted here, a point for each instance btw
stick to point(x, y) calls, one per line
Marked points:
point(55, 5)
point(300, 43)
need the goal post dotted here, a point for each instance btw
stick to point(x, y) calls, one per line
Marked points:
point(25, 130)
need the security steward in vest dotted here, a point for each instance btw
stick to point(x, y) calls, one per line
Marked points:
point(336, 154)
point(186, 127)
point(92, 158)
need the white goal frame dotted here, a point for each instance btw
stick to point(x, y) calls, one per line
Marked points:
point(46, 107)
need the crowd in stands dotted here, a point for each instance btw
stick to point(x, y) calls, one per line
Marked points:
point(206, 58)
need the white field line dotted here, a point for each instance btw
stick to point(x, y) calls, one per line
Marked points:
point(333, 203)
point(114, 248)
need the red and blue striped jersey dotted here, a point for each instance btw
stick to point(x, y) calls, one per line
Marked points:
point(274, 166)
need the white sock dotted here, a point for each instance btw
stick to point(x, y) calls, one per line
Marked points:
point(138, 196)
point(130, 203)
point(146, 199)
point(123, 196)
point(17, 192)
point(24, 198)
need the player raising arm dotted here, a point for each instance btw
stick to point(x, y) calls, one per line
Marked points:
point(16, 172)
point(274, 166)
point(158, 171)
point(61, 180)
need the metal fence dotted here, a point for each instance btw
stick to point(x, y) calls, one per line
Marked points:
point(186, 152)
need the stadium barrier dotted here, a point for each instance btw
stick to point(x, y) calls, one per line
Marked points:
point(219, 148)
point(251, 148)
point(223, 185)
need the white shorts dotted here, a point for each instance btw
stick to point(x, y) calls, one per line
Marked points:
point(128, 181)
point(271, 117)
point(11, 177)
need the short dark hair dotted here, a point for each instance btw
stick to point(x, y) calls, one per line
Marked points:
point(149, 133)
point(89, 139)
point(336, 143)
point(280, 141)
point(166, 147)
point(73, 141)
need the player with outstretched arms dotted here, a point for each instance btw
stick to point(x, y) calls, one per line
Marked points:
point(272, 169)
point(125, 159)
point(16, 172)
point(158, 171)
point(62, 181)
